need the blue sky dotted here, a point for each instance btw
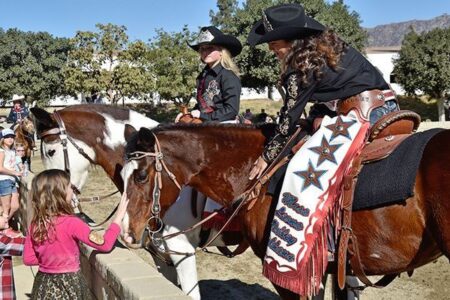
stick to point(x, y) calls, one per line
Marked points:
point(64, 17)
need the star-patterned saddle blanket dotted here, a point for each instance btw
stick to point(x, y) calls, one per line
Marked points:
point(392, 179)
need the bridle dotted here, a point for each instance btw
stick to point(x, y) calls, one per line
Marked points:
point(155, 235)
point(160, 165)
point(64, 138)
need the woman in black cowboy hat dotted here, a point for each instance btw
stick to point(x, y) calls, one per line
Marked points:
point(316, 66)
point(218, 85)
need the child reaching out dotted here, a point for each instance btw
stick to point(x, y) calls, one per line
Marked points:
point(54, 234)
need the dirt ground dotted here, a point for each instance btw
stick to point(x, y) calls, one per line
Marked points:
point(241, 278)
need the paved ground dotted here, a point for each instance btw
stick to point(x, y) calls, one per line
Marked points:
point(23, 277)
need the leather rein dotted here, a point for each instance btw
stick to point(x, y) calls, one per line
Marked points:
point(64, 139)
point(155, 235)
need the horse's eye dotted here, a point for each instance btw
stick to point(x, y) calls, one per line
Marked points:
point(51, 152)
point(141, 176)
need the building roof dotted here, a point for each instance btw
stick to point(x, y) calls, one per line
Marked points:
point(383, 49)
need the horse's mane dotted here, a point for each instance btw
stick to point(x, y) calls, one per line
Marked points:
point(187, 126)
point(226, 131)
point(115, 111)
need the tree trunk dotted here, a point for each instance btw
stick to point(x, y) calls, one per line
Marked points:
point(270, 92)
point(441, 109)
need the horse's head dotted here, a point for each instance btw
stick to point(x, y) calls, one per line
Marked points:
point(27, 125)
point(93, 135)
point(214, 159)
point(52, 151)
point(147, 183)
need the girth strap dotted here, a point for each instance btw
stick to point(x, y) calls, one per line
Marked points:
point(348, 242)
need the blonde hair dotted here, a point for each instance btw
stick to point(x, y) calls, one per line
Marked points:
point(228, 63)
point(48, 198)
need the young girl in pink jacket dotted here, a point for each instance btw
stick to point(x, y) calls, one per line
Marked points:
point(54, 234)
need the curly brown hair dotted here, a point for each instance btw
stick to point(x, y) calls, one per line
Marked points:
point(48, 198)
point(309, 55)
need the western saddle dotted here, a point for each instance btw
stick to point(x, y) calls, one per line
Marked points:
point(384, 136)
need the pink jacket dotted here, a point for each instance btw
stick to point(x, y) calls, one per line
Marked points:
point(62, 255)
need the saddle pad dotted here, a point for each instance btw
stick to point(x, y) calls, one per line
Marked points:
point(392, 179)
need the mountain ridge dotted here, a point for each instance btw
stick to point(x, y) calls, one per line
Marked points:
point(392, 34)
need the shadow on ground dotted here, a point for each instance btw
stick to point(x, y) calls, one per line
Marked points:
point(234, 289)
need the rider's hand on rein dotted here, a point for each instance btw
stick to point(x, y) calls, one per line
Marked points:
point(258, 168)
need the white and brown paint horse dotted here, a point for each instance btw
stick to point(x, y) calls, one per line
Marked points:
point(99, 131)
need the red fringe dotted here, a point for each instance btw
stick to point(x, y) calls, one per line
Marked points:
point(219, 220)
point(307, 278)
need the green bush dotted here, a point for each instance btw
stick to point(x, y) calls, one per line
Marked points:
point(423, 105)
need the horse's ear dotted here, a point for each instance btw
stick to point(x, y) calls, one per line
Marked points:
point(146, 136)
point(129, 132)
point(42, 116)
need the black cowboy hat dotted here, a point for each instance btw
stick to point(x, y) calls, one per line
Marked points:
point(212, 36)
point(283, 22)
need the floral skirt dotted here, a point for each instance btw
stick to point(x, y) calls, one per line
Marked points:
point(68, 286)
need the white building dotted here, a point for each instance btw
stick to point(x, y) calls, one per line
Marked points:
point(382, 59)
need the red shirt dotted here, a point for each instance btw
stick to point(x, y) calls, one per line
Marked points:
point(8, 246)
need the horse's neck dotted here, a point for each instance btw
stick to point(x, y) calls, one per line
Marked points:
point(110, 159)
point(215, 164)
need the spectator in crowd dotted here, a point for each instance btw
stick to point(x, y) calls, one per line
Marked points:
point(9, 246)
point(262, 117)
point(54, 235)
point(248, 115)
point(8, 190)
point(18, 111)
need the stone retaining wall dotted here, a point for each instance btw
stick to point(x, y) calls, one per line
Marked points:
point(120, 274)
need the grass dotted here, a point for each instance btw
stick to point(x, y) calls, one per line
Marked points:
point(425, 106)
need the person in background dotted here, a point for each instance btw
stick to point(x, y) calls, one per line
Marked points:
point(218, 85)
point(8, 190)
point(20, 157)
point(317, 66)
point(262, 117)
point(18, 111)
point(248, 115)
point(54, 235)
point(9, 246)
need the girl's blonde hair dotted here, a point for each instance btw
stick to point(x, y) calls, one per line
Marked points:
point(48, 198)
point(228, 63)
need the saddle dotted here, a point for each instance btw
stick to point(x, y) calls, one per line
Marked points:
point(187, 117)
point(384, 136)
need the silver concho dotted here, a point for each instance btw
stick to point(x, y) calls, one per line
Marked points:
point(204, 37)
point(266, 23)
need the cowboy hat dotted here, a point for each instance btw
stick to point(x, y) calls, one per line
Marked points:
point(212, 36)
point(18, 98)
point(283, 22)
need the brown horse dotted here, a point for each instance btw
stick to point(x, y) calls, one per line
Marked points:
point(216, 160)
point(24, 132)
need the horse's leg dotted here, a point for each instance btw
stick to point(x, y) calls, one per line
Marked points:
point(434, 188)
point(186, 265)
point(347, 293)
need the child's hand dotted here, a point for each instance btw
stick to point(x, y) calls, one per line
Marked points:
point(121, 209)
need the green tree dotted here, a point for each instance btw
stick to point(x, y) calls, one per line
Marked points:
point(104, 63)
point(175, 65)
point(31, 65)
point(259, 67)
point(423, 65)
